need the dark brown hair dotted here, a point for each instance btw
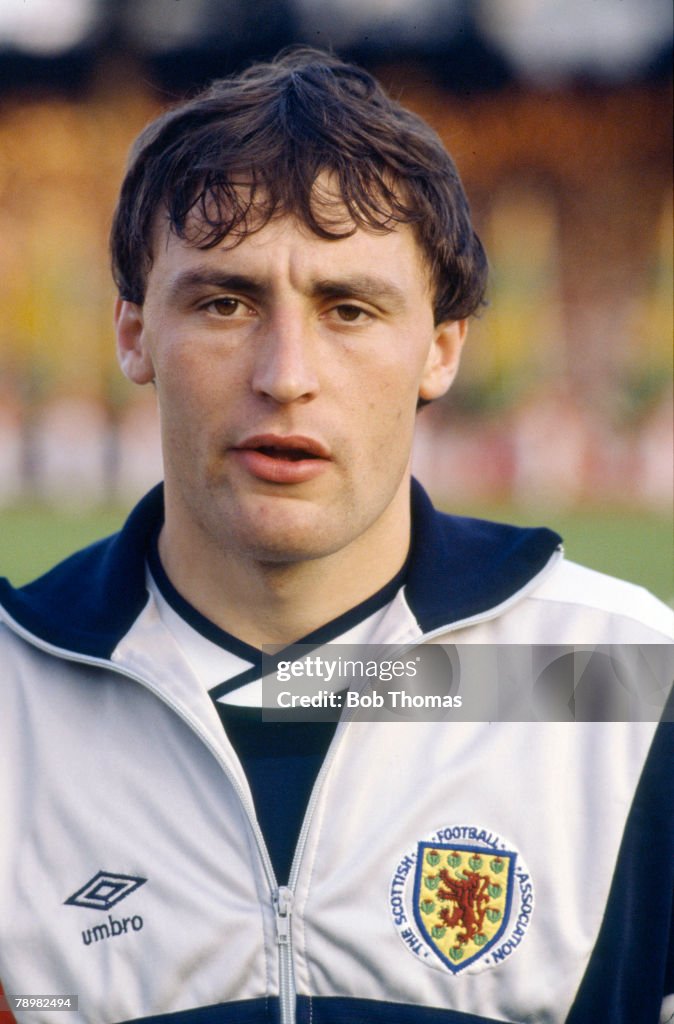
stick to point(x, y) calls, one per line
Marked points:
point(273, 130)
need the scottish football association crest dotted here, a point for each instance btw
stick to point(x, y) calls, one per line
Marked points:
point(462, 900)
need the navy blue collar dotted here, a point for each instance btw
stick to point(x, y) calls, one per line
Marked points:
point(88, 602)
point(458, 568)
point(461, 567)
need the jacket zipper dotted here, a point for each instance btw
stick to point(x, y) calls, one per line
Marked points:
point(283, 904)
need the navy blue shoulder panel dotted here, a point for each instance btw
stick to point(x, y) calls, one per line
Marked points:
point(460, 567)
point(632, 964)
point(89, 601)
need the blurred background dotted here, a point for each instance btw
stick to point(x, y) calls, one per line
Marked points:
point(559, 118)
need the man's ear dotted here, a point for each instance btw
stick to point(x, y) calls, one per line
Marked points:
point(443, 359)
point(132, 351)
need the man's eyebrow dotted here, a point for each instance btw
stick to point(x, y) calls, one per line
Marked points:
point(207, 277)
point(367, 287)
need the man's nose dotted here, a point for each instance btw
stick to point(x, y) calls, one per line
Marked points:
point(285, 361)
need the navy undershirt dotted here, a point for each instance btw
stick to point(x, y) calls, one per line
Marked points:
point(280, 759)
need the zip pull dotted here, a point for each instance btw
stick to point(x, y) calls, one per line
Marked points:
point(283, 908)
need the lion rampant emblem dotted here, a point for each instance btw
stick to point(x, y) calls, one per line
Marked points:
point(469, 899)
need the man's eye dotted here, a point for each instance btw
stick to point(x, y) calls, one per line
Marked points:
point(223, 307)
point(349, 314)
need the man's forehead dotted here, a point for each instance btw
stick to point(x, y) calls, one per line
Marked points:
point(374, 261)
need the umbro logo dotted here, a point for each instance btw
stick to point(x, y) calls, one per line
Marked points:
point(105, 890)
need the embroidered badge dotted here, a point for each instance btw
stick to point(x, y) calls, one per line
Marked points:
point(463, 900)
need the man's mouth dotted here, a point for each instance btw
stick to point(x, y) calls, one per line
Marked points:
point(292, 448)
point(280, 459)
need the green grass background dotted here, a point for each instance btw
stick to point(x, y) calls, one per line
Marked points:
point(635, 545)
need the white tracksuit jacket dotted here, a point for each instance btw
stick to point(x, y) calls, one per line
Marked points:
point(446, 872)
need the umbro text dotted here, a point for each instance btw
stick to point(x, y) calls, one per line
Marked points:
point(112, 927)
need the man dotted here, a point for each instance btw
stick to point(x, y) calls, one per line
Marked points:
point(296, 265)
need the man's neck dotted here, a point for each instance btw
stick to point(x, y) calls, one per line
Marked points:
point(279, 603)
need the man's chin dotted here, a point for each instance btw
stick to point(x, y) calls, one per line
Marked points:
point(284, 547)
point(283, 532)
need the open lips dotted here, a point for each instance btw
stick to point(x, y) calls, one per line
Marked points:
point(277, 459)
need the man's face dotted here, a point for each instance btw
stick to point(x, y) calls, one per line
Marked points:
point(288, 370)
